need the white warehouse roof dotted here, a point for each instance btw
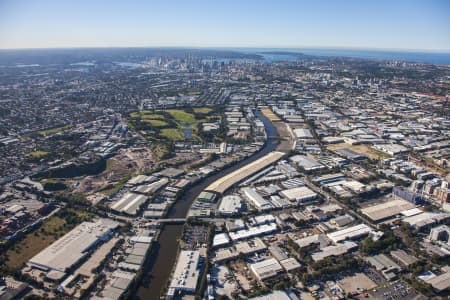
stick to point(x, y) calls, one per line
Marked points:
point(353, 232)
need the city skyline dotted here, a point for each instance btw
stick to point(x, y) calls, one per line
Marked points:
point(252, 24)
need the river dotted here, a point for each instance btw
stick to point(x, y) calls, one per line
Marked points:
point(160, 265)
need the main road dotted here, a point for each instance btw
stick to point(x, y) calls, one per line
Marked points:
point(160, 265)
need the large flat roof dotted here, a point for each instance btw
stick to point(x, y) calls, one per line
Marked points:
point(266, 268)
point(185, 276)
point(72, 247)
point(224, 183)
point(387, 209)
point(349, 233)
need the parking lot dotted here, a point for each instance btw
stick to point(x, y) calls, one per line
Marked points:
point(397, 290)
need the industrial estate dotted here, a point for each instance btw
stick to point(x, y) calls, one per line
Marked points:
point(207, 174)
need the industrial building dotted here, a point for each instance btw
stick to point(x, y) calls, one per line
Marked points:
point(299, 194)
point(186, 274)
point(230, 205)
point(70, 249)
point(403, 257)
point(334, 250)
point(245, 247)
point(349, 233)
point(256, 199)
point(253, 231)
point(385, 265)
point(317, 239)
point(441, 282)
point(129, 203)
point(386, 210)
point(350, 154)
point(306, 163)
point(224, 183)
point(266, 269)
point(426, 219)
point(303, 133)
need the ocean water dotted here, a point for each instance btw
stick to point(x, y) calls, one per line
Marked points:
point(424, 57)
point(409, 56)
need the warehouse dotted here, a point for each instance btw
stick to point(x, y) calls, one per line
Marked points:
point(73, 246)
point(152, 187)
point(350, 233)
point(386, 210)
point(185, 276)
point(425, 219)
point(391, 149)
point(224, 183)
point(316, 239)
point(322, 180)
point(303, 133)
point(129, 203)
point(140, 179)
point(246, 248)
point(385, 265)
point(403, 257)
point(230, 205)
point(441, 282)
point(253, 231)
point(256, 199)
point(306, 163)
point(290, 264)
point(220, 239)
point(266, 269)
point(299, 194)
point(350, 154)
point(336, 250)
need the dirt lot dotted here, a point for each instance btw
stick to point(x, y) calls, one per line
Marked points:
point(243, 275)
point(356, 282)
point(125, 163)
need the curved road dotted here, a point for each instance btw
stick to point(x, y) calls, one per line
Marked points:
point(160, 265)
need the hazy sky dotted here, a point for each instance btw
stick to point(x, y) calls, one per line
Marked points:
point(389, 24)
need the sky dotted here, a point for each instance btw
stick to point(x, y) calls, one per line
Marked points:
point(365, 24)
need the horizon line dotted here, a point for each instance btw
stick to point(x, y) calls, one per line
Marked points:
point(442, 51)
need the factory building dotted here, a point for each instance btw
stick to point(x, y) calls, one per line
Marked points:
point(266, 269)
point(350, 233)
point(186, 274)
point(230, 205)
point(299, 194)
point(256, 199)
point(129, 203)
point(72, 248)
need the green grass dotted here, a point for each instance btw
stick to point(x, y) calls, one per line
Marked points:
point(181, 116)
point(37, 154)
point(174, 120)
point(150, 114)
point(173, 134)
point(202, 110)
point(155, 123)
point(53, 130)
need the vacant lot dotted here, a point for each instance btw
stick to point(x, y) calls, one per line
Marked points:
point(357, 282)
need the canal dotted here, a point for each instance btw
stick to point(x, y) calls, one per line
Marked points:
point(160, 265)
